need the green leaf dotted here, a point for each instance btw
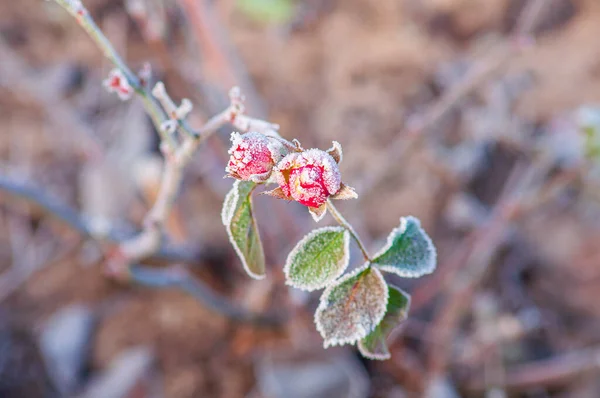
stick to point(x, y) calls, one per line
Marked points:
point(374, 345)
point(238, 217)
point(408, 252)
point(351, 308)
point(318, 259)
point(269, 11)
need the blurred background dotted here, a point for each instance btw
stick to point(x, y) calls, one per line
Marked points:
point(480, 117)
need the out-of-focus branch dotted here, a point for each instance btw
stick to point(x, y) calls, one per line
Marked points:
point(73, 219)
point(550, 372)
point(167, 118)
point(149, 240)
point(415, 131)
point(15, 77)
point(179, 277)
point(83, 18)
point(477, 258)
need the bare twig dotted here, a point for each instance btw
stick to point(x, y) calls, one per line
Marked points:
point(478, 258)
point(167, 118)
point(149, 240)
point(497, 57)
point(83, 18)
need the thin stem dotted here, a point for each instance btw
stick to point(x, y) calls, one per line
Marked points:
point(344, 223)
point(83, 18)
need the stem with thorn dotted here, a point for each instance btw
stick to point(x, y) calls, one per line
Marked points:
point(344, 223)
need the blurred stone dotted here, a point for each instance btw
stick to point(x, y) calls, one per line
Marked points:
point(65, 343)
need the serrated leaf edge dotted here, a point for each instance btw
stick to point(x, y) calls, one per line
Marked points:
point(302, 242)
point(369, 355)
point(323, 305)
point(430, 267)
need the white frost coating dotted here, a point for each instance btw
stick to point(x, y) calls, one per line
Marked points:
point(230, 204)
point(371, 355)
point(347, 328)
point(430, 256)
point(253, 156)
point(340, 264)
point(116, 82)
point(336, 152)
point(331, 172)
point(252, 274)
point(317, 214)
point(396, 231)
point(394, 322)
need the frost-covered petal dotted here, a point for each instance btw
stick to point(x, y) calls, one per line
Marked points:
point(318, 259)
point(309, 177)
point(351, 308)
point(252, 156)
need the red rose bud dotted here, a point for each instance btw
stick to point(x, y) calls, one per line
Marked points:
point(253, 156)
point(309, 177)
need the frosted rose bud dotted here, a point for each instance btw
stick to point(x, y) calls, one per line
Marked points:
point(309, 177)
point(253, 156)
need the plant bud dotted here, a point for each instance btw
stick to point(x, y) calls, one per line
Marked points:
point(253, 156)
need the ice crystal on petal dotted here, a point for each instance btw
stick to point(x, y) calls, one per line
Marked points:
point(351, 308)
point(309, 177)
point(408, 252)
point(252, 156)
point(318, 259)
point(116, 82)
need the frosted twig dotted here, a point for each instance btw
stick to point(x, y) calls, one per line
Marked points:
point(149, 240)
point(83, 18)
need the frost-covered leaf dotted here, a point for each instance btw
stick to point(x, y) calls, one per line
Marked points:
point(351, 308)
point(408, 252)
point(238, 217)
point(374, 345)
point(318, 259)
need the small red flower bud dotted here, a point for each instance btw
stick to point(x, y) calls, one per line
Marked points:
point(253, 156)
point(116, 82)
point(309, 177)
